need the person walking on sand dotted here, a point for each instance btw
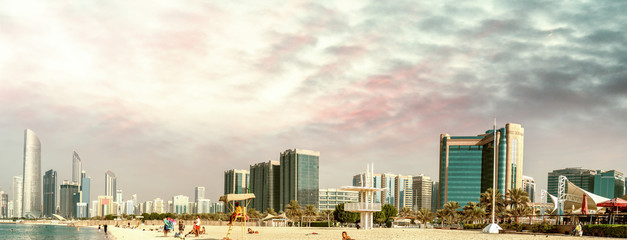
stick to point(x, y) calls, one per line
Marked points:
point(105, 228)
point(181, 226)
point(197, 225)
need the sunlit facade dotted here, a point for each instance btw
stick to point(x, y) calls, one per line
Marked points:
point(31, 192)
point(300, 171)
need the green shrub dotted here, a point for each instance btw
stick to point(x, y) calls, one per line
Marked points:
point(388, 223)
point(543, 227)
point(517, 226)
point(321, 224)
point(475, 226)
point(605, 230)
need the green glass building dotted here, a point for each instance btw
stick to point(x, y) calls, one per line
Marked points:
point(609, 184)
point(467, 164)
point(235, 181)
point(265, 182)
point(299, 178)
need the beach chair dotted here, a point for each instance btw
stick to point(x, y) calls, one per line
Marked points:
point(229, 200)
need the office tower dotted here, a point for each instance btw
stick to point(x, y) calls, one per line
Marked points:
point(77, 168)
point(583, 178)
point(81, 210)
point(435, 194)
point(191, 207)
point(467, 164)
point(67, 197)
point(86, 190)
point(217, 207)
point(170, 206)
point(11, 210)
point(93, 210)
point(235, 181)
point(199, 193)
point(423, 188)
point(204, 206)
point(529, 185)
point(110, 184)
point(129, 208)
point(105, 205)
point(265, 183)
point(17, 196)
point(180, 204)
point(358, 181)
point(330, 197)
point(159, 206)
point(609, 184)
point(300, 171)
point(31, 191)
point(148, 208)
point(4, 204)
point(389, 186)
point(118, 196)
point(403, 192)
point(50, 193)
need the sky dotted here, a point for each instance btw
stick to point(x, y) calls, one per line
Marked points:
point(170, 94)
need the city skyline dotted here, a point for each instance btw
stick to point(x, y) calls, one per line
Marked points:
point(187, 90)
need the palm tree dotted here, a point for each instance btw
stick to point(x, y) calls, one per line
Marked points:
point(451, 208)
point(442, 214)
point(253, 213)
point(518, 201)
point(293, 210)
point(424, 215)
point(406, 212)
point(326, 215)
point(486, 201)
point(310, 212)
point(468, 210)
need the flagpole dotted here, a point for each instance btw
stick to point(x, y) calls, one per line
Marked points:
point(493, 227)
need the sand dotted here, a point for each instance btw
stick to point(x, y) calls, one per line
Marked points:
point(269, 233)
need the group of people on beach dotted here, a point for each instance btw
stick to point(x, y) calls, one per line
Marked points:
point(169, 225)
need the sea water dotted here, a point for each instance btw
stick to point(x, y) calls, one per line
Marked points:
point(45, 232)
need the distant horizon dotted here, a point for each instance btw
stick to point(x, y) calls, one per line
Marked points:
point(171, 96)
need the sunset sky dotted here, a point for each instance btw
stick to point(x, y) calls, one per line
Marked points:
point(170, 94)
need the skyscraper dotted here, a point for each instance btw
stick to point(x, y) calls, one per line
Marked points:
point(235, 181)
point(105, 205)
point(4, 204)
point(300, 171)
point(199, 193)
point(265, 182)
point(180, 204)
point(77, 168)
point(529, 185)
point(118, 196)
point(610, 184)
point(358, 181)
point(50, 193)
point(389, 186)
point(435, 194)
point(110, 184)
point(422, 192)
point(403, 192)
point(68, 199)
point(467, 164)
point(583, 178)
point(86, 191)
point(31, 192)
point(17, 196)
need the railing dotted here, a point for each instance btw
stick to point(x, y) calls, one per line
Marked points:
point(362, 207)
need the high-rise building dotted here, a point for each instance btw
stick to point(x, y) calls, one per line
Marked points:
point(265, 183)
point(180, 204)
point(81, 210)
point(583, 178)
point(148, 207)
point(170, 206)
point(467, 164)
point(67, 196)
point(105, 206)
point(217, 207)
point(389, 186)
point(235, 181)
point(330, 197)
point(77, 168)
point(422, 187)
point(93, 210)
point(203, 206)
point(31, 191)
point(4, 204)
point(86, 190)
point(435, 194)
point(159, 206)
point(50, 193)
point(110, 184)
point(199, 193)
point(129, 208)
point(300, 171)
point(358, 181)
point(17, 196)
point(118, 196)
point(529, 185)
point(11, 209)
point(609, 184)
point(403, 192)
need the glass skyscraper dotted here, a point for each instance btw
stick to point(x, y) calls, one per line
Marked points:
point(529, 185)
point(467, 164)
point(86, 191)
point(17, 196)
point(583, 178)
point(236, 181)
point(50, 193)
point(422, 187)
point(265, 182)
point(376, 181)
point(31, 194)
point(110, 185)
point(68, 199)
point(77, 168)
point(300, 171)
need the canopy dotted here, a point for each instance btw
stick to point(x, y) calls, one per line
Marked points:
point(616, 202)
point(237, 197)
point(575, 191)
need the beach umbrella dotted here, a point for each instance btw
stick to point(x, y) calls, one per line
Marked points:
point(614, 203)
point(584, 204)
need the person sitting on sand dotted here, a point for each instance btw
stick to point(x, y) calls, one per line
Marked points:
point(236, 213)
point(203, 231)
point(346, 237)
point(250, 231)
point(181, 226)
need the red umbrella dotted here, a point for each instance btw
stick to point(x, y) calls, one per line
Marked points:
point(584, 204)
point(616, 202)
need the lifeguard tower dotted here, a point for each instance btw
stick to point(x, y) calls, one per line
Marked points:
point(229, 200)
point(367, 204)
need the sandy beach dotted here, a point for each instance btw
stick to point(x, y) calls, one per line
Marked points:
point(269, 233)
